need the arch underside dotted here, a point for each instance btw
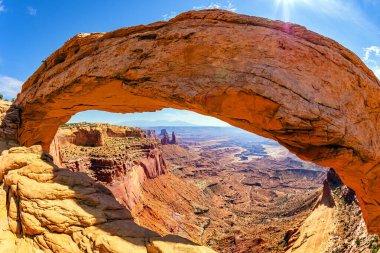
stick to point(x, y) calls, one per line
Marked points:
point(275, 79)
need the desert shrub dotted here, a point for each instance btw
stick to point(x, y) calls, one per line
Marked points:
point(373, 244)
point(1, 96)
point(357, 241)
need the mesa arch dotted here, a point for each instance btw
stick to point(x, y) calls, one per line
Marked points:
point(271, 78)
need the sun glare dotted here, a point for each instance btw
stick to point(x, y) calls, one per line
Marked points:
point(285, 7)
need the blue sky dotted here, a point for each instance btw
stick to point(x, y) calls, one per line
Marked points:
point(31, 30)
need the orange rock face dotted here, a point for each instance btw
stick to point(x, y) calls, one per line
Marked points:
point(121, 158)
point(47, 209)
point(275, 79)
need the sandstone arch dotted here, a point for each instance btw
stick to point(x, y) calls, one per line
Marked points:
point(275, 79)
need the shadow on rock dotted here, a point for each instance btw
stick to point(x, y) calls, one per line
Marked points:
point(9, 122)
point(51, 209)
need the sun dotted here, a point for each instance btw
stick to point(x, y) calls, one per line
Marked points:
point(286, 5)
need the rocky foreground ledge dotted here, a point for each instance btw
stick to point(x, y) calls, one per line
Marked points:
point(44, 208)
point(47, 209)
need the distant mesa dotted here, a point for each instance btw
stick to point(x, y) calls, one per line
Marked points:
point(151, 134)
point(165, 138)
point(111, 155)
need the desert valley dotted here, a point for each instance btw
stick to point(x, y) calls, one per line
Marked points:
point(218, 186)
point(201, 131)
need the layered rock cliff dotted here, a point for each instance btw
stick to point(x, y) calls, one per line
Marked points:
point(128, 161)
point(121, 158)
point(335, 225)
point(47, 209)
point(9, 123)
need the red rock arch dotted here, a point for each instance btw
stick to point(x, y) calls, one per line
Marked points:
point(274, 79)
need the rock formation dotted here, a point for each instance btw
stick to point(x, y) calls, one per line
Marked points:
point(335, 225)
point(47, 209)
point(150, 134)
point(9, 123)
point(174, 139)
point(165, 139)
point(131, 166)
point(121, 158)
point(320, 101)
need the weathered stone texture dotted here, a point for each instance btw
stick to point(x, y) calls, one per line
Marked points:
point(47, 209)
point(274, 79)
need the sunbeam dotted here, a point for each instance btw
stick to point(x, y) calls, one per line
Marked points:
point(285, 6)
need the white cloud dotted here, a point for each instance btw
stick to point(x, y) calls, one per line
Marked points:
point(229, 6)
point(2, 7)
point(9, 86)
point(377, 72)
point(371, 50)
point(31, 11)
point(171, 15)
point(372, 59)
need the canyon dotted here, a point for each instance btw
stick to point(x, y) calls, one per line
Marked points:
point(224, 188)
point(45, 208)
point(118, 193)
point(261, 198)
point(117, 156)
point(228, 66)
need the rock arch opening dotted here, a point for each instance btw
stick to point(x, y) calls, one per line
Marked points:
point(277, 80)
point(210, 184)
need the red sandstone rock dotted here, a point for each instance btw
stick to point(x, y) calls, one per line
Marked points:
point(121, 158)
point(275, 79)
point(165, 139)
point(132, 167)
point(150, 134)
point(47, 209)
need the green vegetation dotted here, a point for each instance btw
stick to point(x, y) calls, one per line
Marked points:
point(4, 99)
point(75, 124)
point(374, 244)
point(357, 241)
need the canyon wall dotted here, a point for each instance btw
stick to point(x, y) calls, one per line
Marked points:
point(129, 162)
point(121, 158)
point(9, 123)
point(47, 209)
point(275, 79)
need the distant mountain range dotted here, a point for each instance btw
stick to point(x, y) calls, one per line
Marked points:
point(153, 123)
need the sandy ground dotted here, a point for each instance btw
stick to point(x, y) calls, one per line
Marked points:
point(315, 231)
